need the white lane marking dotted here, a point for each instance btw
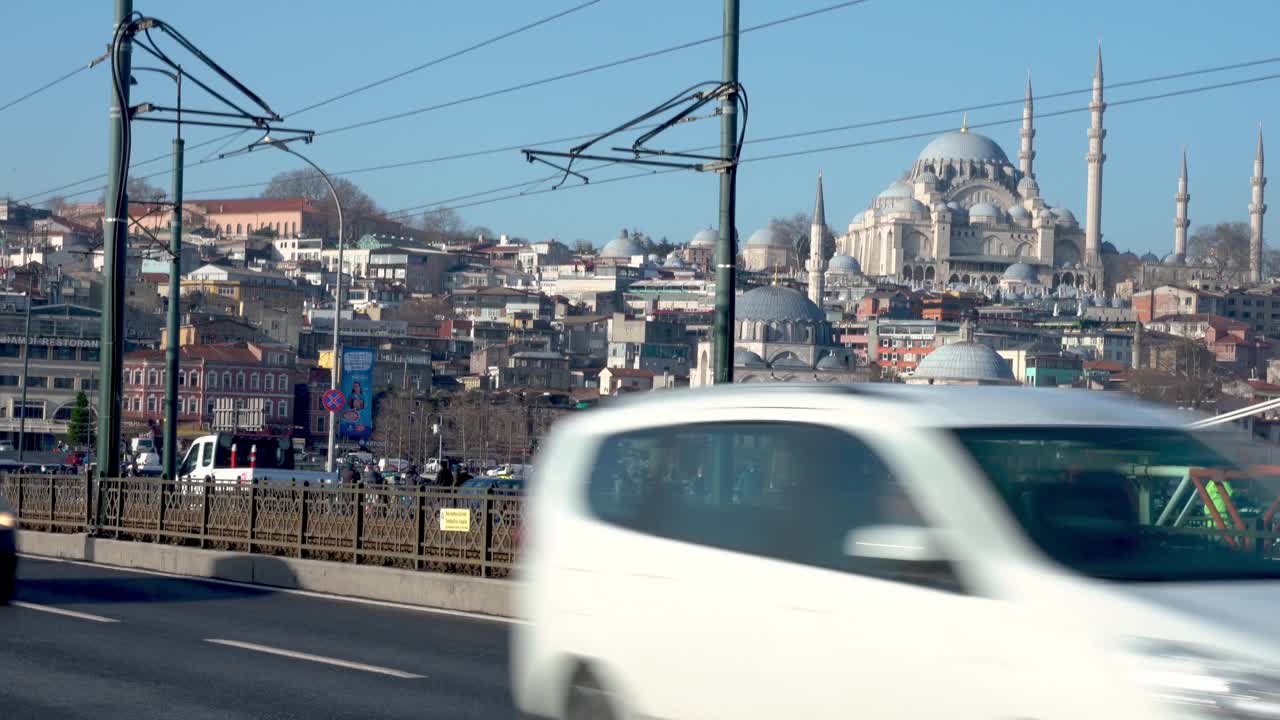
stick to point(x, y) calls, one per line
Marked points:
point(291, 591)
point(316, 658)
point(60, 611)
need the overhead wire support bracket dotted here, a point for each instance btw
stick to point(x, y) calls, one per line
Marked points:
point(684, 104)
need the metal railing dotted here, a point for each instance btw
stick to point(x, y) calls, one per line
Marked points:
point(443, 530)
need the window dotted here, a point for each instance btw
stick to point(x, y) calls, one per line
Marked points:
point(770, 502)
point(211, 406)
point(318, 425)
point(240, 380)
point(38, 352)
point(195, 378)
point(282, 409)
point(64, 353)
point(151, 403)
point(88, 384)
point(226, 379)
point(9, 380)
point(37, 381)
point(182, 379)
point(269, 382)
point(239, 229)
point(33, 410)
point(284, 381)
point(253, 381)
point(10, 350)
point(64, 383)
point(153, 378)
point(212, 380)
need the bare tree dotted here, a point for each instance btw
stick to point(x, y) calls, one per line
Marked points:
point(583, 247)
point(441, 224)
point(1223, 247)
point(56, 204)
point(420, 308)
point(795, 228)
point(307, 183)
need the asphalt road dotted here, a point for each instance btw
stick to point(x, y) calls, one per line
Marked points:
point(90, 642)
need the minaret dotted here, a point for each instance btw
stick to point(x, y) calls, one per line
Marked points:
point(1257, 208)
point(1180, 221)
point(817, 233)
point(1027, 155)
point(1093, 205)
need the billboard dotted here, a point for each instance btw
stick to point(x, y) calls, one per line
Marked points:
point(357, 384)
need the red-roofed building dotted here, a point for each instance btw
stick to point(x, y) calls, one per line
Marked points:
point(238, 371)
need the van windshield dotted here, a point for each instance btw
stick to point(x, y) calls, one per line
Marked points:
point(1135, 503)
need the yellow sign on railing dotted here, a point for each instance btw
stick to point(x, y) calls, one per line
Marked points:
point(455, 519)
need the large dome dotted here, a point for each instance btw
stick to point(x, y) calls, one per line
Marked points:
point(897, 189)
point(844, 264)
point(706, 238)
point(1021, 272)
point(964, 361)
point(767, 237)
point(743, 357)
point(985, 211)
point(622, 248)
point(772, 302)
point(964, 145)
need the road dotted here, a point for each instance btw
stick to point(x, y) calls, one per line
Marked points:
point(91, 642)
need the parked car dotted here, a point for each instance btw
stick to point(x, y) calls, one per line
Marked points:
point(6, 446)
point(8, 552)
point(491, 484)
point(896, 551)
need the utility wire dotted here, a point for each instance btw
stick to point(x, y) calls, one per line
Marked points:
point(774, 138)
point(439, 205)
point(443, 58)
point(587, 70)
point(501, 91)
point(53, 82)
point(227, 138)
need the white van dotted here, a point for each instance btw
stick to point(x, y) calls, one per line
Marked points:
point(889, 551)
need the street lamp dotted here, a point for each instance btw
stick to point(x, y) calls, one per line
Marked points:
point(175, 273)
point(438, 429)
point(335, 375)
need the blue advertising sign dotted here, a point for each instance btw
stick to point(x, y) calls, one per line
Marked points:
point(356, 419)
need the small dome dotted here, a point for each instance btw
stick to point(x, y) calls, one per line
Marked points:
point(965, 361)
point(790, 362)
point(844, 264)
point(985, 211)
point(857, 219)
point(743, 357)
point(653, 258)
point(1028, 187)
point(1109, 248)
point(1064, 216)
point(897, 189)
point(1173, 259)
point(830, 362)
point(927, 177)
point(899, 206)
point(622, 248)
point(706, 238)
point(1021, 272)
point(673, 261)
point(1019, 214)
point(772, 302)
point(1150, 258)
point(965, 145)
point(955, 207)
point(767, 237)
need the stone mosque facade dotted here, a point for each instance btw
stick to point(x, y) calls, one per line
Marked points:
point(964, 214)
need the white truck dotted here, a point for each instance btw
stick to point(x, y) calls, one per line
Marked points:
point(229, 458)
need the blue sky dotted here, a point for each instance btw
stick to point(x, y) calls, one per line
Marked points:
point(882, 59)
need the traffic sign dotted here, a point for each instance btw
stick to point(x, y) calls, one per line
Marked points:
point(333, 400)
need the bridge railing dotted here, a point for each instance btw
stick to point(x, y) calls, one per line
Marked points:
point(447, 530)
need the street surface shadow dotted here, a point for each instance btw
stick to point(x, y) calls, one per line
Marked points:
point(87, 587)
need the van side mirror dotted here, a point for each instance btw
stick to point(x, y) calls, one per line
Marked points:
point(901, 543)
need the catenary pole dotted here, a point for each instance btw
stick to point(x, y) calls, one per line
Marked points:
point(175, 272)
point(726, 251)
point(115, 235)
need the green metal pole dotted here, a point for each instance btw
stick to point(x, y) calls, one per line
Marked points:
point(114, 239)
point(171, 349)
point(726, 252)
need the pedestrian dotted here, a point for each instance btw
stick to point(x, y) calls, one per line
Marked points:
point(444, 478)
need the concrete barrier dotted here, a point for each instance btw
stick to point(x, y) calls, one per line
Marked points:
point(411, 587)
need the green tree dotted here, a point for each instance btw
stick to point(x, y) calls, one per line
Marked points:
point(80, 426)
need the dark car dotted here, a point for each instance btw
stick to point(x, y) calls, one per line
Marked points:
point(8, 551)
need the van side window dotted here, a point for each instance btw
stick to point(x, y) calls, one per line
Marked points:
point(788, 491)
point(206, 454)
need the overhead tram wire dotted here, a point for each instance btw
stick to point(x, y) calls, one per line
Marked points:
point(54, 82)
point(230, 136)
point(500, 91)
point(773, 138)
point(440, 205)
